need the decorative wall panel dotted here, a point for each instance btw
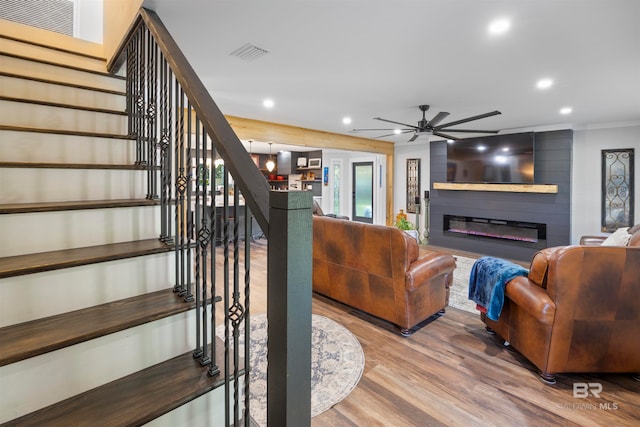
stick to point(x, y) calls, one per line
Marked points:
point(617, 189)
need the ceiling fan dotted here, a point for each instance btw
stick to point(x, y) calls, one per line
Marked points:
point(432, 127)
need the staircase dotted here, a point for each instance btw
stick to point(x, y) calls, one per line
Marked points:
point(91, 332)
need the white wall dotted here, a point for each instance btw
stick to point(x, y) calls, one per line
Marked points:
point(88, 20)
point(416, 150)
point(587, 175)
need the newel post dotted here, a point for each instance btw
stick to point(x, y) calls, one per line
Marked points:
point(289, 309)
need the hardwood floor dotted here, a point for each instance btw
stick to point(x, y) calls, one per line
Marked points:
point(451, 372)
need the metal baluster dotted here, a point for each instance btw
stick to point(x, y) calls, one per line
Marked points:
point(164, 147)
point(247, 318)
point(171, 195)
point(214, 370)
point(225, 284)
point(181, 182)
point(236, 312)
point(140, 99)
point(130, 53)
point(152, 109)
point(201, 248)
point(135, 89)
point(204, 235)
point(189, 235)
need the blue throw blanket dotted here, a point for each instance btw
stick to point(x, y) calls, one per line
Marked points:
point(487, 281)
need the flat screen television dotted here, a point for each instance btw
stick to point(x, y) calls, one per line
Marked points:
point(492, 159)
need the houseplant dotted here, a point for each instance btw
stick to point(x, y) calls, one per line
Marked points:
point(403, 223)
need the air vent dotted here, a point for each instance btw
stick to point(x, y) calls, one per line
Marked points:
point(249, 52)
point(53, 15)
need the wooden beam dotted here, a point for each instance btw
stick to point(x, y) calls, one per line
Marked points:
point(292, 135)
point(510, 188)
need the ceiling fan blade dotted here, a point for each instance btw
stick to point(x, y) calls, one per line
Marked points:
point(397, 123)
point(468, 119)
point(472, 131)
point(445, 136)
point(394, 134)
point(438, 118)
point(360, 130)
point(414, 137)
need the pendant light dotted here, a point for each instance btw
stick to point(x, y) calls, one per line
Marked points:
point(271, 165)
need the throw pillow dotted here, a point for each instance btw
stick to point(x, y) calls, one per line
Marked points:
point(620, 237)
point(634, 229)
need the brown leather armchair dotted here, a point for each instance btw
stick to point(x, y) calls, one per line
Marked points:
point(578, 311)
point(378, 270)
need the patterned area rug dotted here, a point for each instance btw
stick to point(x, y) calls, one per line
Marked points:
point(337, 362)
point(459, 291)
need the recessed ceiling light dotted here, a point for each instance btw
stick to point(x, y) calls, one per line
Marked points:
point(450, 141)
point(481, 148)
point(397, 131)
point(499, 26)
point(346, 120)
point(544, 83)
point(505, 149)
point(566, 110)
point(268, 103)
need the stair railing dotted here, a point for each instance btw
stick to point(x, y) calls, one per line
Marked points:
point(183, 139)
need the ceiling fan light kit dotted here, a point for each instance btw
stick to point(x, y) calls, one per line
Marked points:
point(433, 126)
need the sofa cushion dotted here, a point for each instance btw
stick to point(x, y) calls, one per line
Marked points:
point(620, 237)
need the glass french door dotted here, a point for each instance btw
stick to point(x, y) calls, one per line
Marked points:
point(362, 194)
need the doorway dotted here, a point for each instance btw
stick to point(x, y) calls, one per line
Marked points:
point(362, 192)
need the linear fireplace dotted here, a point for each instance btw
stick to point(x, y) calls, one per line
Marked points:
point(529, 234)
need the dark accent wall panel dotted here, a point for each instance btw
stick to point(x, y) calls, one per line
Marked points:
point(552, 166)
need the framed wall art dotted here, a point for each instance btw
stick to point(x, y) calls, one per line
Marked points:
point(617, 189)
point(413, 185)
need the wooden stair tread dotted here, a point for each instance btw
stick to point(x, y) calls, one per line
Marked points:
point(36, 337)
point(63, 65)
point(14, 208)
point(62, 83)
point(135, 399)
point(61, 105)
point(54, 48)
point(55, 260)
point(46, 165)
point(66, 132)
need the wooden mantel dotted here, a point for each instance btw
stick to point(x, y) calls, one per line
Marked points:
point(510, 188)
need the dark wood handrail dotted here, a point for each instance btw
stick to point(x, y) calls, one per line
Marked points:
point(246, 175)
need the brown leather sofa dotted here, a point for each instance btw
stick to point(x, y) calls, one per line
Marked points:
point(578, 311)
point(377, 269)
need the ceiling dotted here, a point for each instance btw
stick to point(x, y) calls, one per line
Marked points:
point(328, 59)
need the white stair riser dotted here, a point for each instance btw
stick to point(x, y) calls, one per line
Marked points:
point(52, 148)
point(37, 382)
point(25, 185)
point(51, 55)
point(51, 231)
point(205, 411)
point(27, 89)
point(60, 291)
point(56, 118)
point(53, 72)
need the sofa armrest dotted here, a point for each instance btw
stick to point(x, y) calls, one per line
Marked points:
point(427, 268)
point(592, 240)
point(531, 298)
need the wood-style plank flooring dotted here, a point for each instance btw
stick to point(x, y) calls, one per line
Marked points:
point(451, 372)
